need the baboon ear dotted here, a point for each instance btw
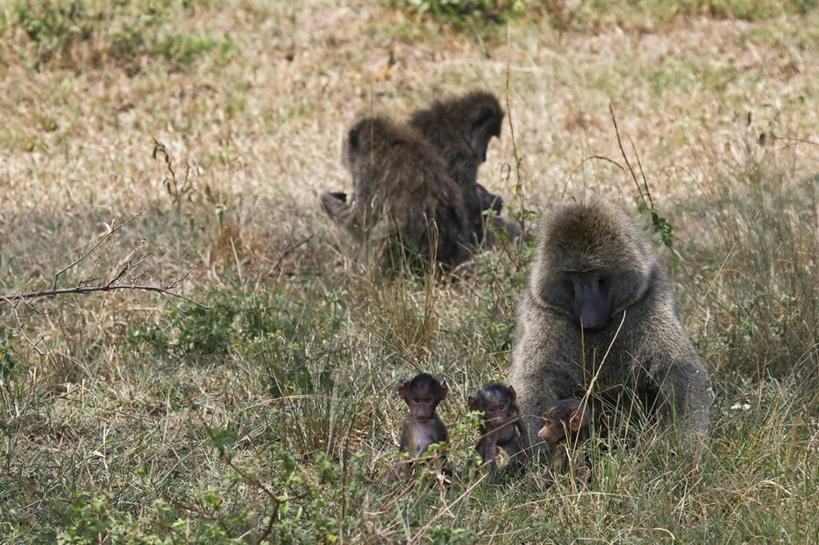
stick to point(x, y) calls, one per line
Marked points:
point(512, 394)
point(444, 390)
point(578, 419)
point(401, 390)
point(473, 404)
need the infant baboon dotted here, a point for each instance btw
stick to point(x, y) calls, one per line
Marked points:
point(404, 206)
point(460, 129)
point(421, 427)
point(566, 429)
point(594, 270)
point(501, 426)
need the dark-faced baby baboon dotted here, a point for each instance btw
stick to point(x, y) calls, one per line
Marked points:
point(422, 426)
point(460, 129)
point(501, 426)
point(404, 206)
point(565, 428)
point(598, 304)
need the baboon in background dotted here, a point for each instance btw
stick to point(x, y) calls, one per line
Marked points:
point(404, 205)
point(460, 129)
point(593, 271)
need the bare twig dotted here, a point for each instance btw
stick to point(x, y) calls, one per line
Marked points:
point(113, 229)
point(121, 270)
point(92, 289)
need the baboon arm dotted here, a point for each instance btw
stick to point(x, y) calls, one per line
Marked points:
point(488, 449)
point(342, 213)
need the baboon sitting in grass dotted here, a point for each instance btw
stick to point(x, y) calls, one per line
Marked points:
point(598, 304)
point(404, 208)
point(460, 128)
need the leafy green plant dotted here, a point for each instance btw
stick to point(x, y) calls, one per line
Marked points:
point(213, 329)
point(182, 49)
point(54, 26)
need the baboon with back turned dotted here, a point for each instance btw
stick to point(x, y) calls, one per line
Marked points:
point(595, 273)
point(460, 128)
point(404, 206)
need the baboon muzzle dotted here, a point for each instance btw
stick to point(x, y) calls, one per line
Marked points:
point(591, 300)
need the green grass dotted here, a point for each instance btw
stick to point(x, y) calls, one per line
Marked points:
point(133, 417)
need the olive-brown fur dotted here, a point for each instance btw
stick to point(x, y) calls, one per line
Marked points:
point(652, 356)
point(404, 205)
point(460, 129)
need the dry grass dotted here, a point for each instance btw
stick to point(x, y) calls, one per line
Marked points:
point(116, 407)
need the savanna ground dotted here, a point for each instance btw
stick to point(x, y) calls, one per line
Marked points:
point(184, 144)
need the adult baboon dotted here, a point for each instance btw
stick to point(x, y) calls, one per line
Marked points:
point(404, 205)
point(595, 273)
point(460, 129)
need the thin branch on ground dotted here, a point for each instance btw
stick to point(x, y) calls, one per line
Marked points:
point(123, 269)
point(93, 289)
point(111, 231)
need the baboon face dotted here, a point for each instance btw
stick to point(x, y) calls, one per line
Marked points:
point(497, 402)
point(591, 265)
point(566, 417)
point(422, 395)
